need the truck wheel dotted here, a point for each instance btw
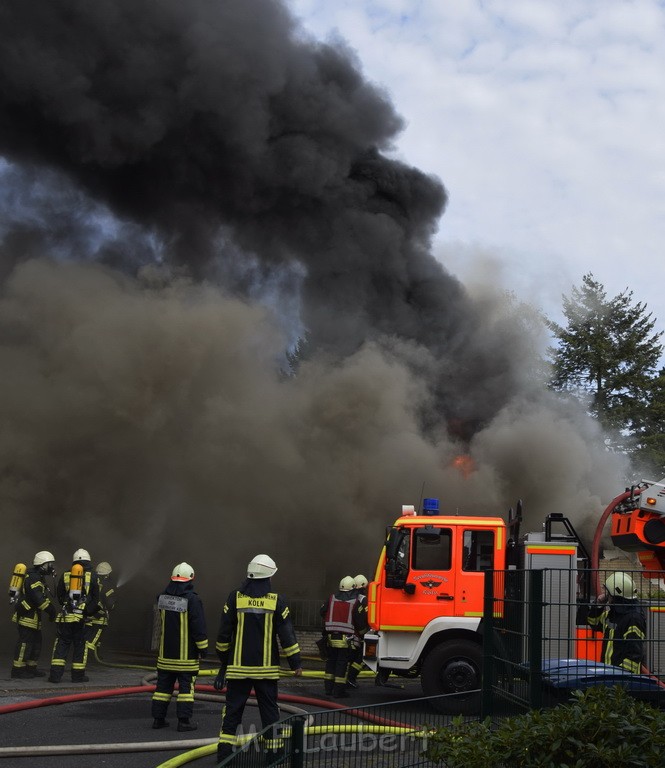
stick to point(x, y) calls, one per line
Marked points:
point(453, 666)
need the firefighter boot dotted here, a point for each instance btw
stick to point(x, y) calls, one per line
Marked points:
point(223, 751)
point(352, 677)
point(34, 672)
point(328, 687)
point(78, 676)
point(20, 672)
point(185, 725)
point(55, 675)
point(339, 691)
point(160, 722)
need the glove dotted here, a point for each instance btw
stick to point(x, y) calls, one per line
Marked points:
point(219, 680)
point(52, 612)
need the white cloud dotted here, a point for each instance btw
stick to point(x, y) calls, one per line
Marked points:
point(545, 121)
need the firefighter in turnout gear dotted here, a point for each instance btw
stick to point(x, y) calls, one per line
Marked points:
point(78, 595)
point(253, 619)
point(361, 626)
point(339, 614)
point(95, 624)
point(33, 598)
point(622, 621)
point(183, 641)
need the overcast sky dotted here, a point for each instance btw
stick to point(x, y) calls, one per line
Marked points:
point(545, 120)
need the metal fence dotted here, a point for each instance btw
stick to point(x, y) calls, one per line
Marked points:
point(388, 735)
point(538, 647)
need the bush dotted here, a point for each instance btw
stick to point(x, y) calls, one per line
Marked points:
point(600, 728)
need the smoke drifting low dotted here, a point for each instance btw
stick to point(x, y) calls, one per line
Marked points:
point(192, 187)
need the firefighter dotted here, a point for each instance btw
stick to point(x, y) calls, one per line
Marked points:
point(338, 616)
point(95, 624)
point(253, 619)
point(78, 595)
point(361, 626)
point(622, 621)
point(35, 597)
point(183, 641)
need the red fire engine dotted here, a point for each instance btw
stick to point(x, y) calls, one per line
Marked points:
point(425, 604)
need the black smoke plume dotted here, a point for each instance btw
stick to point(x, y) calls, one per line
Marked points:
point(188, 188)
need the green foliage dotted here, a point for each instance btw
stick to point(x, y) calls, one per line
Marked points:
point(600, 728)
point(607, 356)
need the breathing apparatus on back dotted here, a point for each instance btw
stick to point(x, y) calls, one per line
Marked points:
point(16, 582)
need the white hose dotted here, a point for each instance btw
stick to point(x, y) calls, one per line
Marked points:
point(138, 746)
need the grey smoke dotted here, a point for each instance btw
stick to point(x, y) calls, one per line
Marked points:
point(187, 188)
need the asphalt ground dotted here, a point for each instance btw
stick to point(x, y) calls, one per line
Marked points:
point(126, 719)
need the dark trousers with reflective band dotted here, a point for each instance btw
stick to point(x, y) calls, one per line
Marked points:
point(355, 662)
point(237, 693)
point(93, 635)
point(28, 647)
point(336, 668)
point(71, 634)
point(166, 680)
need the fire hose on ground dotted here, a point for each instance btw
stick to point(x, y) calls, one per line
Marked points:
point(287, 703)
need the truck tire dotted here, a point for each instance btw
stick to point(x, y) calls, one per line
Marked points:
point(453, 666)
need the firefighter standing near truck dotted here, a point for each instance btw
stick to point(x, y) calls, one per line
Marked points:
point(183, 641)
point(31, 599)
point(622, 621)
point(96, 624)
point(339, 615)
point(253, 619)
point(361, 626)
point(78, 595)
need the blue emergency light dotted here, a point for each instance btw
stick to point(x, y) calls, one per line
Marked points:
point(430, 506)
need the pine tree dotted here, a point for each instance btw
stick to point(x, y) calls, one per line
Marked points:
point(607, 355)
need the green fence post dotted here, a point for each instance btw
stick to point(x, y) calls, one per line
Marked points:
point(535, 641)
point(486, 699)
point(298, 742)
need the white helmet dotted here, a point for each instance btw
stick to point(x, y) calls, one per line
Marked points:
point(347, 584)
point(104, 569)
point(80, 555)
point(43, 557)
point(360, 581)
point(182, 572)
point(620, 584)
point(261, 567)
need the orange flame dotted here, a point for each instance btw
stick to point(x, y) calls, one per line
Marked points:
point(464, 464)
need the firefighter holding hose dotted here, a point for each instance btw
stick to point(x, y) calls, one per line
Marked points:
point(96, 624)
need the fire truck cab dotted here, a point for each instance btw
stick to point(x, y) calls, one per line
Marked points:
point(425, 603)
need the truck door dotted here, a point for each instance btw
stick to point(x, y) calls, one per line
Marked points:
point(419, 579)
point(478, 555)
